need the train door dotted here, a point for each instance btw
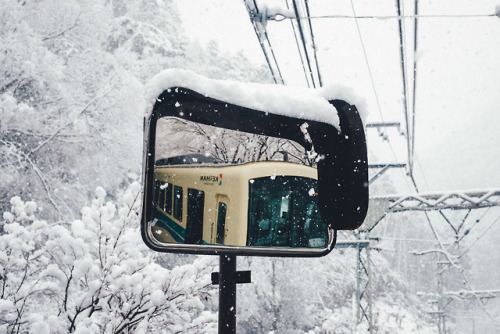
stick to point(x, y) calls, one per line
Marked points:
point(220, 235)
point(194, 224)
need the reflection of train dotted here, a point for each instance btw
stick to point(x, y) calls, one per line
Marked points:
point(254, 204)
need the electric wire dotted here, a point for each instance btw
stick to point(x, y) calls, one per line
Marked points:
point(414, 95)
point(274, 58)
point(302, 38)
point(368, 66)
point(422, 171)
point(313, 43)
point(371, 78)
point(267, 57)
point(484, 213)
point(477, 219)
point(261, 42)
point(298, 48)
point(281, 17)
point(482, 235)
point(402, 47)
point(403, 239)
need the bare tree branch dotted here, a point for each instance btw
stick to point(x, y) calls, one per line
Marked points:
point(65, 30)
point(85, 108)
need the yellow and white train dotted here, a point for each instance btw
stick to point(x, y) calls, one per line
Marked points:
point(253, 204)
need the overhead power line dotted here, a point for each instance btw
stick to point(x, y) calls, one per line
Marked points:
point(300, 50)
point(281, 17)
point(482, 235)
point(302, 38)
point(305, 41)
point(370, 72)
point(306, 2)
point(414, 95)
point(368, 65)
point(258, 20)
point(402, 47)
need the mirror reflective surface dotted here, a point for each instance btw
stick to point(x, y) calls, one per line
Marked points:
point(216, 186)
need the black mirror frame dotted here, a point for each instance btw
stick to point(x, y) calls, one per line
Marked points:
point(343, 168)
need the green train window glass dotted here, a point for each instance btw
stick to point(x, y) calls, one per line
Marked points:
point(178, 203)
point(283, 211)
point(221, 223)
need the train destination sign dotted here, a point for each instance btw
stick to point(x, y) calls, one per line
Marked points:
point(245, 169)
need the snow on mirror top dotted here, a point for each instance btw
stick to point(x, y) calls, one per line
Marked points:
point(281, 100)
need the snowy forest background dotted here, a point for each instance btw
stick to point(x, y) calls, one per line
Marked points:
point(71, 256)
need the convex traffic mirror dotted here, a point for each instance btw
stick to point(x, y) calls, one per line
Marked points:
point(246, 169)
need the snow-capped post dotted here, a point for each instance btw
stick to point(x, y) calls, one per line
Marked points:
point(228, 191)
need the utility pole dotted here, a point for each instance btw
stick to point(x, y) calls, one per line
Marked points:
point(441, 302)
point(363, 293)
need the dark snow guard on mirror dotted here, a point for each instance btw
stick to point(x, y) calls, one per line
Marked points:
point(342, 166)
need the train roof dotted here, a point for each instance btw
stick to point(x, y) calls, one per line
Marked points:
point(247, 170)
point(187, 159)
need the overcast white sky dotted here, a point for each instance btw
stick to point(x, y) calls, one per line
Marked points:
point(457, 135)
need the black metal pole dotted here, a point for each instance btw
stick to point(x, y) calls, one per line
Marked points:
point(227, 294)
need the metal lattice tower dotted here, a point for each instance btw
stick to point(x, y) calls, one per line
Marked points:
point(381, 206)
point(363, 293)
point(363, 268)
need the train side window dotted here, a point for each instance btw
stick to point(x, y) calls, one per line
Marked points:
point(156, 193)
point(161, 196)
point(168, 198)
point(221, 223)
point(194, 223)
point(178, 203)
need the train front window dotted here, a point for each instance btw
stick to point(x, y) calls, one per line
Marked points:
point(283, 211)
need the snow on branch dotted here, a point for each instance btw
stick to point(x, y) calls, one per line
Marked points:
point(95, 275)
point(467, 294)
point(451, 258)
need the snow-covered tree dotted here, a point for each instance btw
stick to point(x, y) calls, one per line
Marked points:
point(95, 275)
point(71, 79)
